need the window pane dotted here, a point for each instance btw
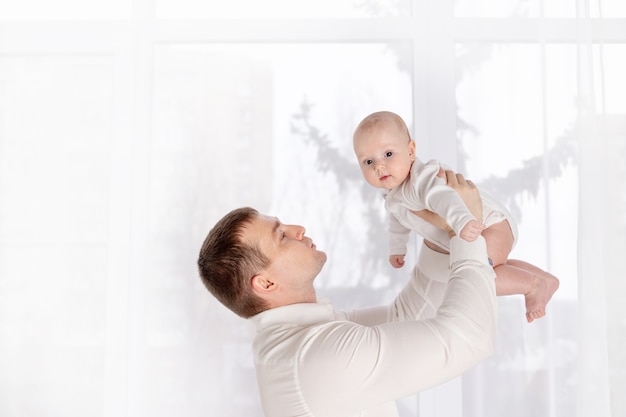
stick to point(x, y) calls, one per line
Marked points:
point(515, 106)
point(518, 124)
point(54, 182)
point(610, 66)
point(607, 8)
point(279, 9)
point(268, 126)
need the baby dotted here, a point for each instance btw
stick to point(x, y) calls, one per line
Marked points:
point(386, 156)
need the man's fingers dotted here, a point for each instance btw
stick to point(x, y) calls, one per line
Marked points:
point(451, 178)
point(455, 180)
point(468, 193)
point(461, 180)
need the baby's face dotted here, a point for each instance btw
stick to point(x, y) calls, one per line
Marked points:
point(385, 154)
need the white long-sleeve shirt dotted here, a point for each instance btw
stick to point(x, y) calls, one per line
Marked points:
point(316, 362)
point(424, 190)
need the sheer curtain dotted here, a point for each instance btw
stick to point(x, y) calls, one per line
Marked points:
point(128, 128)
point(602, 240)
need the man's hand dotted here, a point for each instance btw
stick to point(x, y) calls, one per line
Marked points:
point(468, 193)
point(434, 219)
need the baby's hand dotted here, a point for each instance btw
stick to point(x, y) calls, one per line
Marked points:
point(471, 230)
point(397, 261)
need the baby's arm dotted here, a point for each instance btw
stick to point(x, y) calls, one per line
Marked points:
point(471, 230)
point(398, 237)
point(446, 202)
point(397, 261)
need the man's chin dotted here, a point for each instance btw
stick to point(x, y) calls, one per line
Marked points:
point(323, 257)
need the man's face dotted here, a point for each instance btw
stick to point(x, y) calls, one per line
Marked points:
point(294, 258)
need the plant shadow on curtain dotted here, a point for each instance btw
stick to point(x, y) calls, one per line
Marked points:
point(536, 370)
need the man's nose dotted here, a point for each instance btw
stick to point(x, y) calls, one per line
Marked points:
point(297, 232)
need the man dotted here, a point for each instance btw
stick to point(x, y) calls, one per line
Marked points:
point(314, 361)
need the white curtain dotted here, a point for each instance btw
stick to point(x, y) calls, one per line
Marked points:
point(128, 128)
point(602, 239)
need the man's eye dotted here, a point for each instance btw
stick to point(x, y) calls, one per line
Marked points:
point(388, 154)
point(282, 235)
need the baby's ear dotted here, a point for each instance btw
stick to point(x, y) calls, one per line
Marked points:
point(412, 149)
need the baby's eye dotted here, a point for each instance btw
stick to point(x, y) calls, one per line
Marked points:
point(388, 154)
point(368, 161)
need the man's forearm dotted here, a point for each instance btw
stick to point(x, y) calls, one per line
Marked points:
point(470, 302)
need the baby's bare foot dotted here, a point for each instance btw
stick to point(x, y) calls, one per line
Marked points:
point(539, 296)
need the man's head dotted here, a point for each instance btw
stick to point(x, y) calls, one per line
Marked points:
point(384, 149)
point(251, 262)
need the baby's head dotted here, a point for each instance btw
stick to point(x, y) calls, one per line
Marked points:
point(384, 149)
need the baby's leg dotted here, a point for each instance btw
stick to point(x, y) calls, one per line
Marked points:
point(499, 239)
point(536, 288)
point(518, 277)
point(538, 298)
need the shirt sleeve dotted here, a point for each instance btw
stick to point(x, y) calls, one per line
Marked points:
point(428, 190)
point(370, 365)
point(398, 236)
point(420, 298)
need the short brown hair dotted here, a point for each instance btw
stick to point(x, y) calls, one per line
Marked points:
point(226, 263)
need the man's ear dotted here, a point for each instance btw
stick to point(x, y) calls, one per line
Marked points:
point(263, 284)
